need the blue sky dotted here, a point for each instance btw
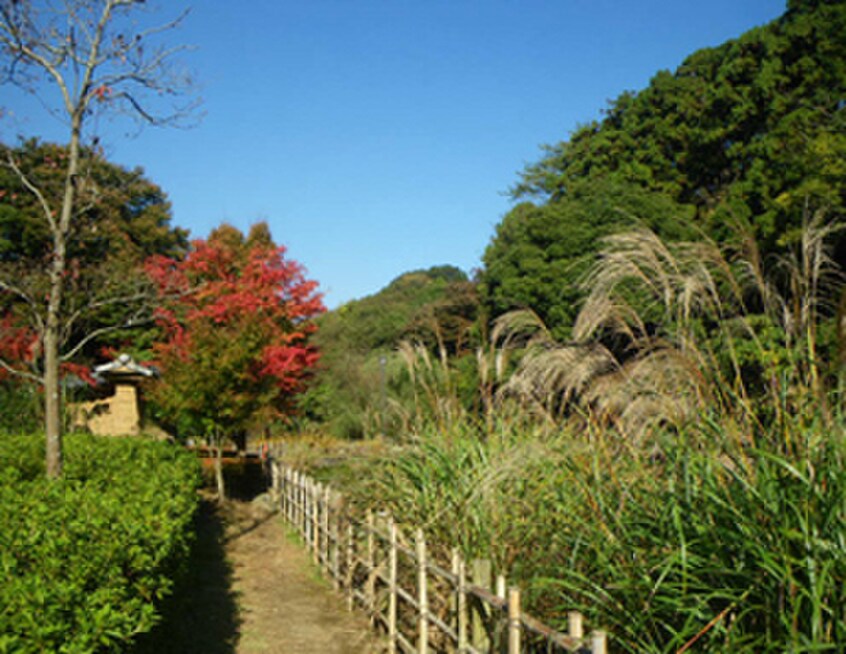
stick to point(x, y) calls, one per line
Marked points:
point(381, 136)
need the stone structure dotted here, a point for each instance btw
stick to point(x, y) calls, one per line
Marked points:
point(119, 413)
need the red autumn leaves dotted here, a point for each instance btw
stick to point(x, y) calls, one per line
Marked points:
point(234, 318)
point(249, 309)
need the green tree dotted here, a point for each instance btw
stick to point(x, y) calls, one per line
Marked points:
point(94, 56)
point(540, 252)
point(754, 129)
point(107, 301)
point(358, 341)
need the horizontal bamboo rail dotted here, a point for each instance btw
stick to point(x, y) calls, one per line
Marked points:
point(422, 607)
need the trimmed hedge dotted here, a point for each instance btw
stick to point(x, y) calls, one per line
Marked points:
point(85, 560)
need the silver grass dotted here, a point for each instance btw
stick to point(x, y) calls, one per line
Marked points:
point(653, 295)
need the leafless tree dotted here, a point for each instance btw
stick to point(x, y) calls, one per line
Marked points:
point(94, 56)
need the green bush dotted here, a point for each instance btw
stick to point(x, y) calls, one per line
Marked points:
point(22, 404)
point(84, 560)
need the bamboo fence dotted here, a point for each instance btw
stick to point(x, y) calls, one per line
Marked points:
point(421, 605)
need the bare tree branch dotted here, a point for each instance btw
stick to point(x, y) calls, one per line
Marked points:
point(32, 188)
point(19, 373)
point(102, 331)
point(96, 57)
point(90, 307)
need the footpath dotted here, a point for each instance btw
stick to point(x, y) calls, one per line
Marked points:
point(286, 608)
point(252, 589)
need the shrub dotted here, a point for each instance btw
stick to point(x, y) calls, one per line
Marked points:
point(84, 560)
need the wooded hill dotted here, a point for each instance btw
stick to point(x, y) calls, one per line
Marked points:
point(743, 142)
point(748, 135)
point(437, 306)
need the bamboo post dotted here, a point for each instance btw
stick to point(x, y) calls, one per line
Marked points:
point(301, 491)
point(299, 504)
point(514, 621)
point(279, 471)
point(295, 500)
point(575, 625)
point(321, 521)
point(307, 509)
point(296, 508)
point(462, 607)
point(287, 495)
point(289, 483)
point(336, 544)
point(315, 522)
point(306, 513)
point(293, 509)
point(500, 586)
point(350, 563)
point(481, 578)
point(370, 585)
point(325, 528)
point(292, 498)
point(453, 595)
point(422, 596)
point(392, 590)
point(304, 505)
point(288, 502)
point(308, 490)
point(599, 642)
point(498, 629)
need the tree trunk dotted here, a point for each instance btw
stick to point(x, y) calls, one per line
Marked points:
point(59, 229)
point(52, 403)
point(218, 471)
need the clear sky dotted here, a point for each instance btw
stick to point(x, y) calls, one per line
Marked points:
point(381, 136)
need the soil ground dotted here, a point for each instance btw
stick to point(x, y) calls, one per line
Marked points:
point(250, 589)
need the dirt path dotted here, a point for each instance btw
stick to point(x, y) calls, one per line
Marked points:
point(286, 608)
point(252, 589)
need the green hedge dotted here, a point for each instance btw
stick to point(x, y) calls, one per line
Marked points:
point(85, 560)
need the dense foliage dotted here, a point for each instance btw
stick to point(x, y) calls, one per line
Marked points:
point(402, 308)
point(539, 252)
point(674, 468)
point(86, 559)
point(122, 219)
point(752, 131)
point(727, 549)
point(237, 317)
point(358, 343)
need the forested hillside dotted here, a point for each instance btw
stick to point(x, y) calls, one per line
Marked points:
point(437, 306)
point(744, 143)
point(749, 135)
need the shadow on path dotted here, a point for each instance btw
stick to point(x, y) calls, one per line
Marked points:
point(202, 615)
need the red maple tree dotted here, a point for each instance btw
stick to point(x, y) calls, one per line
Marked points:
point(236, 319)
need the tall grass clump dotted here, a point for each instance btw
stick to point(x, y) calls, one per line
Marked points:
point(86, 559)
point(705, 550)
point(725, 548)
point(670, 330)
point(676, 471)
point(465, 488)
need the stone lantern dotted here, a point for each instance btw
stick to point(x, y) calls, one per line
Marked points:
point(120, 413)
